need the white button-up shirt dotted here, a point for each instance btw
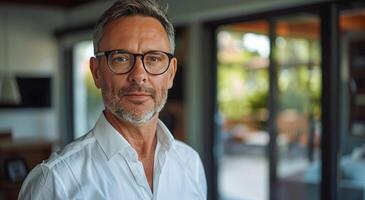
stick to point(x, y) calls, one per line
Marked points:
point(103, 165)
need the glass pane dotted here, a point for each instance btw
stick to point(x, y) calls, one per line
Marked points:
point(297, 58)
point(352, 143)
point(243, 59)
point(87, 98)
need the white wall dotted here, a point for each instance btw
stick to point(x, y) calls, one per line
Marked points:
point(28, 48)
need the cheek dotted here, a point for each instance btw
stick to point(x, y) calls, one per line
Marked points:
point(163, 90)
point(109, 87)
point(161, 86)
point(161, 93)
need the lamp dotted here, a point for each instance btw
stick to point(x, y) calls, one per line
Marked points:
point(9, 90)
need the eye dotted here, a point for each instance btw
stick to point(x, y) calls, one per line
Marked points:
point(155, 57)
point(120, 58)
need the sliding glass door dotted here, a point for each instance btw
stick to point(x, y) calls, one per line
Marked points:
point(291, 103)
point(243, 60)
point(297, 58)
point(352, 87)
point(282, 53)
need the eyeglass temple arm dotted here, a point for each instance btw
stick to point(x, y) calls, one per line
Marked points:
point(99, 54)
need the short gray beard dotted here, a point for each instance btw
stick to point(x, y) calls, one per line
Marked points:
point(132, 117)
point(138, 120)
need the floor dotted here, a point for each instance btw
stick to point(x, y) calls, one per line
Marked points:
point(245, 176)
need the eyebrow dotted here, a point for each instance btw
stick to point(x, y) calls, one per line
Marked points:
point(143, 52)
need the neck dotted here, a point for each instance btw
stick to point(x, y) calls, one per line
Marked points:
point(142, 138)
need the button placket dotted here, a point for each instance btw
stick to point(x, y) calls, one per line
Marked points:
point(138, 173)
point(161, 156)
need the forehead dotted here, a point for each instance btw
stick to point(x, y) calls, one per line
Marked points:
point(133, 32)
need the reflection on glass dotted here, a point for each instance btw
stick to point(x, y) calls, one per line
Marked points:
point(243, 51)
point(297, 58)
point(352, 143)
point(87, 98)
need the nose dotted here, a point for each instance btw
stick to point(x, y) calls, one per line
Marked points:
point(138, 74)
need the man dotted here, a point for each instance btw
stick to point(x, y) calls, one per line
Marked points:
point(129, 154)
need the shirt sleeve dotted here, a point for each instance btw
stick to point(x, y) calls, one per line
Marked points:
point(41, 183)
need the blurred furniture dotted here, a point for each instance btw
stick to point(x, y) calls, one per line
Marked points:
point(296, 187)
point(31, 152)
point(305, 184)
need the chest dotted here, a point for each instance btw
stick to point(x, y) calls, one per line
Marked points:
point(127, 179)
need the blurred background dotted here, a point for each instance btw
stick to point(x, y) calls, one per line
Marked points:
point(270, 93)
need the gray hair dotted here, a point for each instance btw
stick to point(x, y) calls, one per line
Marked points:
point(123, 8)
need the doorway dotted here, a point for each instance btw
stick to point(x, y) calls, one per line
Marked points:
point(243, 84)
point(308, 115)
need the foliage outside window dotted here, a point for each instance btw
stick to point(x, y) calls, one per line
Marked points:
point(243, 74)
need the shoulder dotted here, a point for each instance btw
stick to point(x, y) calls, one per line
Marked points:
point(55, 176)
point(190, 160)
point(184, 152)
point(60, 164)
point(182, 147)
point(42, 183)
point(71, 151)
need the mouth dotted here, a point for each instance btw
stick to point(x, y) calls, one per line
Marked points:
point(137, 97)
point(137, 94)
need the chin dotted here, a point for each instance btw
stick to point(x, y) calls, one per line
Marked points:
point(133, 117)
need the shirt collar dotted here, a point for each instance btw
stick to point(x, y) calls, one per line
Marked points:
point(164, 136)
point(112, 142)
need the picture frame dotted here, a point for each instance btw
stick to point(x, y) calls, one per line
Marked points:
point(16, 169)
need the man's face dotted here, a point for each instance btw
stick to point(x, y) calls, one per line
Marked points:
point(135, 97)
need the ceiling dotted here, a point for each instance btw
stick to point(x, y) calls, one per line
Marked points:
point(51, 3)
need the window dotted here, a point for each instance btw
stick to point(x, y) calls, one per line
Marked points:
point(87, 102)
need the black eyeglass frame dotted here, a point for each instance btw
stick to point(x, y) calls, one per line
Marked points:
point(108, 53)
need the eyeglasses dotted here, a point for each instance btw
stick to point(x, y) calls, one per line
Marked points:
point(122, 62)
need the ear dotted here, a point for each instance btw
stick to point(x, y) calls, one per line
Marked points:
point(94, 68)
point(172, 72)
